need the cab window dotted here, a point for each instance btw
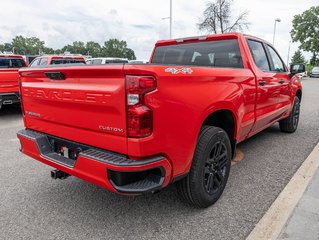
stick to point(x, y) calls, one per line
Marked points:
point(259, 54)
point(218, 53)
point(278, 64)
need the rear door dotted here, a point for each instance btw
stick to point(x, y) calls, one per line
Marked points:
point(281, 75)
point(268, 86)
point(87, 105)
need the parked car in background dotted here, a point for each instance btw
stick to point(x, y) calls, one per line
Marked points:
point(134, 129)
point(56, 59)
point(9, 86)
point(138, 62)
point(99, 61)
point(314, 72)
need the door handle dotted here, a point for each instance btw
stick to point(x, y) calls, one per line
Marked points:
point(281, 81)
point(262, 82)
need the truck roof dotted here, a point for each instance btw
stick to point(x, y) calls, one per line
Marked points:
point(63, 56)
point(232, 35)
point(2, 55)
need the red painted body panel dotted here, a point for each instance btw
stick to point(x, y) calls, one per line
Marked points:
point(94, 96)
point(79, 109)
point(9, 77)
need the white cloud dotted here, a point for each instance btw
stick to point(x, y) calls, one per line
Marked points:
point(138, 22)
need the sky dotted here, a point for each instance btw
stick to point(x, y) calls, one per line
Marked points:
point(139, 22)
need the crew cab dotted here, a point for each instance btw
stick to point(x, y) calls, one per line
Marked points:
point(46, 60)
point(9, 87)
point(134, 129)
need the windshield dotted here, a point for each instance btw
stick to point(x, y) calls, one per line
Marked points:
point(12, 63)
point(315, 69)
point(66, 61)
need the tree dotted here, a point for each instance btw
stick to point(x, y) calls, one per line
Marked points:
point(32, 45)
point(298, 58)
point(218, 18)
point(77, 47)
point(93, 49)
point(306, 31)
point(118, 48)
point(6, 47)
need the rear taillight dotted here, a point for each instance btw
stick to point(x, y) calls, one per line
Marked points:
point(139, 115)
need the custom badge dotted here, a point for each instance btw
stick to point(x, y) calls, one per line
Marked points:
point(179, 70)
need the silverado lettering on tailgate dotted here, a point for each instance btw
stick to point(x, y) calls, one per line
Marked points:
point(66, 95)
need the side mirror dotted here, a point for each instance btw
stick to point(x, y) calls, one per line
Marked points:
point(297, 68)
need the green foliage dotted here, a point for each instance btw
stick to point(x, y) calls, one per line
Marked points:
point(7, 47)
point(298, 58)
point(77, 47)
point(93, 49)
point(34, 46)
point(117, 48)
point(27, 45)
point(309, 67)
point(306, 31)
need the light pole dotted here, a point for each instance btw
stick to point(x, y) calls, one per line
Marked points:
point(288, 53)
point(170, 19)
point(276, 20)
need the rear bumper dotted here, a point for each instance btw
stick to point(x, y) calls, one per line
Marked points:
point(9, 98)
point(107, 169)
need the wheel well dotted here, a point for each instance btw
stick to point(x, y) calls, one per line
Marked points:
point(225, 120)
point(299, 94)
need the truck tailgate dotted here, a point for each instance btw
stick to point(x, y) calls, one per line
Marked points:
point(86, 106)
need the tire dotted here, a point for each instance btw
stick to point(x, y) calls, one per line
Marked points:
point(210, 169)
point(290, 124)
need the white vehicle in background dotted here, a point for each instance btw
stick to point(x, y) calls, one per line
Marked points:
point(138, 62)
point(314, 72)
point(108, 60)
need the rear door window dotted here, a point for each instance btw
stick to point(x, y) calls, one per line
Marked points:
point(219, 53)
point(259, 54)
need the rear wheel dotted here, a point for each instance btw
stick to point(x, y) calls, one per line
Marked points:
point(209, 173)
point(290, 124)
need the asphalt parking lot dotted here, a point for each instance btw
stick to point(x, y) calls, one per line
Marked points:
point(33, 206)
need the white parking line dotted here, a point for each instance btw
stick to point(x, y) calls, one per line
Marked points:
point(272, 223)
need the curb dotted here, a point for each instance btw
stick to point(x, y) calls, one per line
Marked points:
point(274, 220)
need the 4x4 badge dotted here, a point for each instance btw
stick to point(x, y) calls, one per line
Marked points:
point(179, 70)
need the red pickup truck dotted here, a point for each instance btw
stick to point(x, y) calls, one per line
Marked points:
point(46, 60)
point(137, 128)
point(9, 87)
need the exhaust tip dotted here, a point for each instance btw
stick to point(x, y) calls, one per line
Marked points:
point(58, 174)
